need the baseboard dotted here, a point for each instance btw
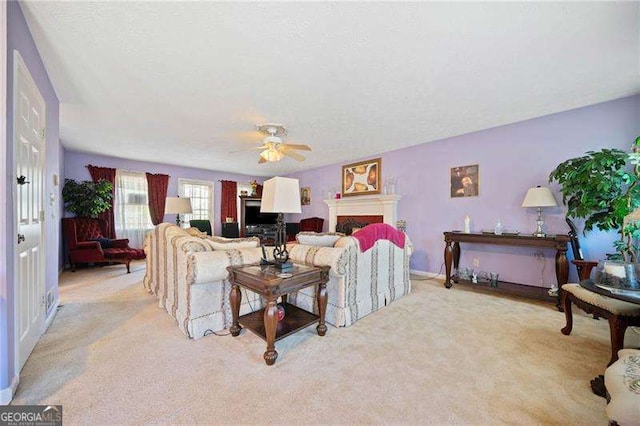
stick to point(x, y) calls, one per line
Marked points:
point(6, 394)
point(428, 275)
point(52, 314)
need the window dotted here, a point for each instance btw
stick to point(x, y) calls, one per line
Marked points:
point(201, 194)
point(131, 207)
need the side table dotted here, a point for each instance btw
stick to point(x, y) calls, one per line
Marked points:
point(271, 284)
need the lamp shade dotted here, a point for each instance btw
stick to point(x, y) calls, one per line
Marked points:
point(540, 196)
point(177, 205)
point(281, 195)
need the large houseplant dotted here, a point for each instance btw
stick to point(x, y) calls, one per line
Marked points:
point(603, 187)
point(87, 199)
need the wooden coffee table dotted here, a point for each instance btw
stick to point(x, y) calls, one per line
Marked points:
point(268, 282)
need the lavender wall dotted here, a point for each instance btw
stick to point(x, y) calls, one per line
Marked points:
point(512, 158)
point(76, 162)
point(19, 38)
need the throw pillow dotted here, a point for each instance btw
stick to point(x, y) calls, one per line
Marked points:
point(325, 239)
point(105, 243)
point(222, 243)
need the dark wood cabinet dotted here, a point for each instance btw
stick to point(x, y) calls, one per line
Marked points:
point(244, 200)
point(252, 227)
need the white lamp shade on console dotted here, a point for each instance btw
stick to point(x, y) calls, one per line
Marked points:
point(281, 195)
point(177, 205)
point(540, 196)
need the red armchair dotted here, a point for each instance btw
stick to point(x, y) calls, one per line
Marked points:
point(313, 224)
point(82, 237)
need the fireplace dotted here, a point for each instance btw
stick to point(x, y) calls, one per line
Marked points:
point(365, 208)
point(346, 224)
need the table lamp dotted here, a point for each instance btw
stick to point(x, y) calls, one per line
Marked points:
point(539, 197)
point(281, 195)
point(177, 206)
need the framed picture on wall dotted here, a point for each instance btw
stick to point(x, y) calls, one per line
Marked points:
point(465, 181)
point(305, 195)
point(362, 178)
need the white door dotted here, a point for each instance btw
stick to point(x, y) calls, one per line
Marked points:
point(29, 124)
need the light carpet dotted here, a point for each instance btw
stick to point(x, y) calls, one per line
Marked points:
point(436, 356)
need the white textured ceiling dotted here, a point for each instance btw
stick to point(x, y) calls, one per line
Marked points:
point(185, 83)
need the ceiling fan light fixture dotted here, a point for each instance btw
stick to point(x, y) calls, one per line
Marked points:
point(272, 155)
point(272, 139)
point(274, 148)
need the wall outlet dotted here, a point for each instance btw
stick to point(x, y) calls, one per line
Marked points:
point(476, 262)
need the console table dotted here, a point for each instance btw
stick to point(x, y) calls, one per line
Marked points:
point(558, 242)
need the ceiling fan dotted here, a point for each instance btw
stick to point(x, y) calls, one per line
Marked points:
point(273, 147)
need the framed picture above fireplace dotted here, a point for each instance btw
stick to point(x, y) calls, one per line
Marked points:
point(362, 178)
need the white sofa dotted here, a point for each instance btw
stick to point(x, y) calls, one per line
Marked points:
point(359, 282)
point(196, 294)
point(186, 270)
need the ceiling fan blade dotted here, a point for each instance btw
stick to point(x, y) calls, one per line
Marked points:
point(294, 155)
point(261, 160)
point(299, 147)
point(248, 149)
point(250, 136)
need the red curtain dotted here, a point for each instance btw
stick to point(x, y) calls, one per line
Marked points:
point(157, 185)
point(229, 201)
point(106, 173)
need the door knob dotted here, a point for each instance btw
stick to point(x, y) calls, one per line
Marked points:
point(21, 238)
point(22, 180)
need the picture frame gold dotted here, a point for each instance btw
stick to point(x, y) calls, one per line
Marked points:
point(362, 178)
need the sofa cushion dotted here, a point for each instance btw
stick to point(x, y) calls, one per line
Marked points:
point(195, 232)
point(210, 266)
point(324, 239)
point(222, 243)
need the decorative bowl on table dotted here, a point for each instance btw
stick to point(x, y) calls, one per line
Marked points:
point(618, 277)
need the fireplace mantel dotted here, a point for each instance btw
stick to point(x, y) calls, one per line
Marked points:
point(364, 205)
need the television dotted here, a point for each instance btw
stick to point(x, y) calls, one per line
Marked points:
point(252, 216)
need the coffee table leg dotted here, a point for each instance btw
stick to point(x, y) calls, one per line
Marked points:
point(270, 325)
point(235, 298)
point(322, 308)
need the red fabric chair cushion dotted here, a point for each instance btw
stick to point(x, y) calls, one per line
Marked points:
point(124, 253)
point(87, 229)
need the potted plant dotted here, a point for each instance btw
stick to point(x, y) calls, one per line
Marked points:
point(603, 188)
point(87, 199)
